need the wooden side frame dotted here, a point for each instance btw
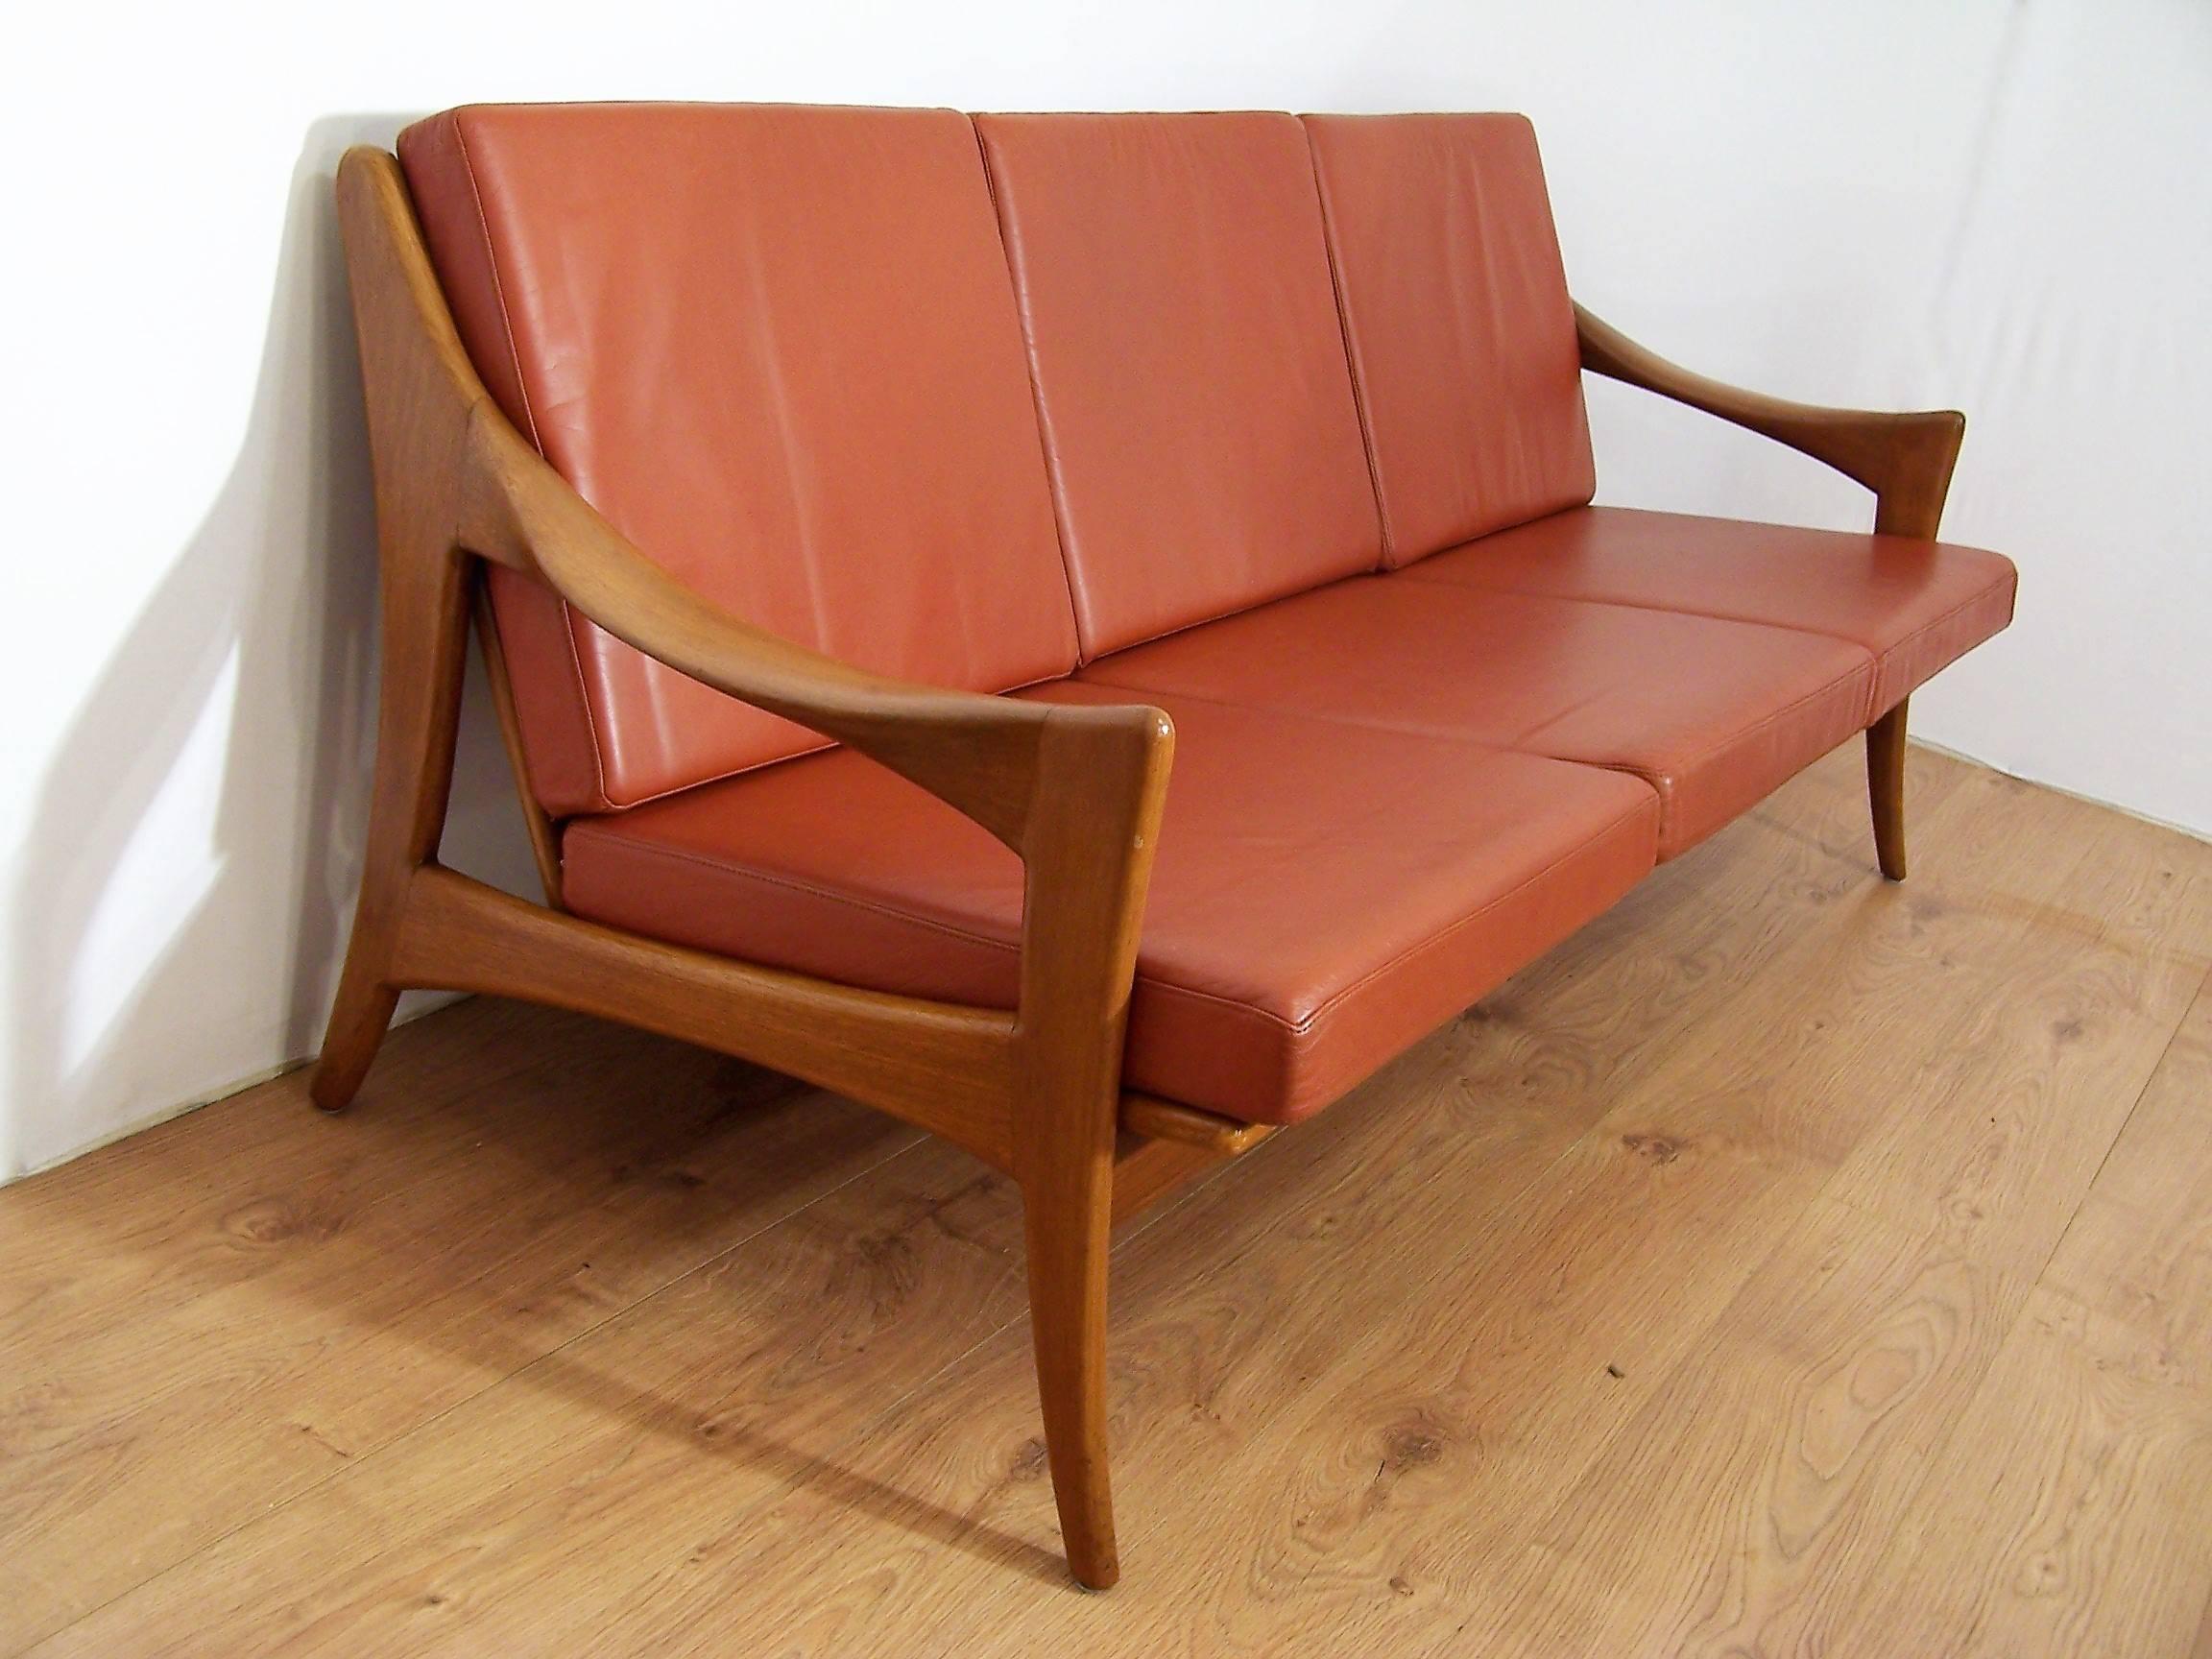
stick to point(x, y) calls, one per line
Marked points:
point(1906, 459)
point(1074, 791)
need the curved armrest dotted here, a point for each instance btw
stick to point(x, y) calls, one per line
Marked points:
point(1075, 790)
point(1905, 459)
point(980, 753)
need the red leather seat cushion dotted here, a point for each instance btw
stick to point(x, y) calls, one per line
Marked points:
point(1915, 605)
point(1323, 895)
point(1455, 309)
point(776, 346)
point(1190, 368)
point(1714, 714)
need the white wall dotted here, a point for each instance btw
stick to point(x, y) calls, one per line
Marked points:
point(1998, 205)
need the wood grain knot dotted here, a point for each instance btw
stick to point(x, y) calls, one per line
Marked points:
point(1409, 1448)
point(283, 1221)
point(1029, 1462)
point(1655, 1148)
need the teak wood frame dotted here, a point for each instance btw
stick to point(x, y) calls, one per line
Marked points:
point(1906, 459)
point(1074, 791)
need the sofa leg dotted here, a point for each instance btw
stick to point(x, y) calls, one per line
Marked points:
point(1086, 846)
point(1067, 1217)
point(426, 618)
point(358, 1021)
point(1886, 788)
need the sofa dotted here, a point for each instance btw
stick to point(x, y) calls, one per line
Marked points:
point(1088, 633)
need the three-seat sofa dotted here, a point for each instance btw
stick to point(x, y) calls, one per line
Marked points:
point(1088, 633)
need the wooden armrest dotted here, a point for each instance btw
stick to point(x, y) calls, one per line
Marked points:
point(980, 753)
point(1906, 459)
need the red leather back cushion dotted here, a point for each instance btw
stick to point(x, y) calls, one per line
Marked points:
point(778, 348)
point(1462, 336)
point(1189, 367)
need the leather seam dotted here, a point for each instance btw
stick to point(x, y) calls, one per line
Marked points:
point(1867, 665)
point(1303, 1029)
point(1914, 638)
point(1412, 572)
point(536, 443)
point(1300, 1030)
point(1415, 572)
point(1375, 723)
point(1782, 714)
point(1666, 785)
point(1386, 551)
point(821, 746)
point(1517, 745)
point(498, 285)
point(1001, 215)
point(584, 702)
point(649, 851)
point(1272, 597)
point(1078, 650)
point(893, 913)
point(1463, 536)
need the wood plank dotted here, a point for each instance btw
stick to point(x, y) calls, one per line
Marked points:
point(1511, 1401)
point(2140, 1248)
point(2068, 1515)
point(1208, 1362)
point(1771, 1469)
point(1294, 1571)
point(758, 1365)
point(1483, 1109)
point(2060, 1049)
point(1363, 1391)
point(205, 1319)
point(1776, 1486)
point(1269, 1333)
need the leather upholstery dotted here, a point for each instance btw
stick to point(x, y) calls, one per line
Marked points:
point(776, 347)
point(1188, 364)
point(1714, 714)
point(1323, 895)
point(1915, 605)
point(1461, 328)
point(780, 348)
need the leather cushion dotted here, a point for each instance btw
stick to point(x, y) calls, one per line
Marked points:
point(1915, 605)
point(1189, 369)
point(1322, 897)
point(1714, 714)
point(1461, 331)
point(778, 348)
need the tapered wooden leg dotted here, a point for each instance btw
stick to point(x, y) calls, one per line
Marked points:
point(1087, 870)
point(358, 1021)
point(419, 710)
point(1885, 789)
point(1068, 1233)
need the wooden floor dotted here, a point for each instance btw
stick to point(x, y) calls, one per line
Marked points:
point(1791, 1263)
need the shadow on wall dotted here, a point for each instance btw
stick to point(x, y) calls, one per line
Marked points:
point(266, 619)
